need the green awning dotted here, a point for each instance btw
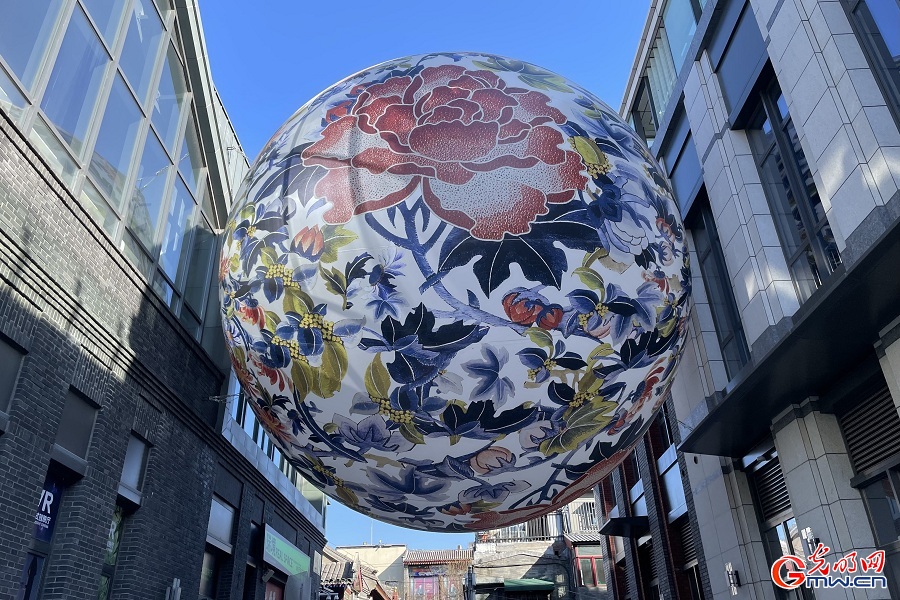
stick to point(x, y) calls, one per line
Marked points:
point(528, 585)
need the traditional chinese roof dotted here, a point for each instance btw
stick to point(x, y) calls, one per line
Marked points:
point(436, 557)
point(337, 572)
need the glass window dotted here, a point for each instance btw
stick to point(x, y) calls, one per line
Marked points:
point(76, 425)
point(174, 251)
point(95, 204)
point(797, 210)
point(149, 189)
point(141, 46)
point(72, 90)
point(30, 582)
point(164, 289)
point(170, 98)
point(24, 32)
point(209, 574)
point(680, 20)
point(661, 73)
point(10, 360)
point(53, 151)
point(197, 281)
point(12, 102)
point(106, 15)
point(643, 117)
point(190, 160)
point(221, 521)
point(114, 538)
point(884, 509)
point(115, 143)
point(729, 328)
point(877, 22)
point(135, 463)
point(136, 254)
point(190, 321)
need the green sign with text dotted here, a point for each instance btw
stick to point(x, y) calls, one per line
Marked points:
point(282, 554)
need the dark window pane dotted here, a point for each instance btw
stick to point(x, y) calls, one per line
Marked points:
point(806, 274)
point(135, 463)
point(221, 521)
point(76, 425)
point(717, 284)
point(103, 591)
point(24, 32)
point(829, 247)
point(106, 15)
point(784, 207)
point(190, 321)
point(149, 189)
point(209, 573)
point(812, 194)
point(72, 91)
point(141, 46)
point(115, 143)
point(10, 360)
point(173, 251)
point(203, 246)
point(169, 99)
point(884, 510)
point(114, 538)
point(30, 582)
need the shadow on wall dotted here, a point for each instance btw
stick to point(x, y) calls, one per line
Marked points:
point(105, 418)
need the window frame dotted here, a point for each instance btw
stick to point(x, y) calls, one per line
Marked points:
point(74, 168)
point(890, 89)
point(768, 110)
point(714, 256)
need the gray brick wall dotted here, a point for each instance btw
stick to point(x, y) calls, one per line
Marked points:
point(86, 321)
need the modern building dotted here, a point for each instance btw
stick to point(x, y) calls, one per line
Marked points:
point(777, 123)
point(128, 468)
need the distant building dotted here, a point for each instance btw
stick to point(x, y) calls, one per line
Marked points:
point(386, 559)
point(549, 558)
point(435, 574)
point(344, 578)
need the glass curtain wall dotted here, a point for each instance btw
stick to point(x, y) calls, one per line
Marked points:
point(665, 60)
point(100, 88)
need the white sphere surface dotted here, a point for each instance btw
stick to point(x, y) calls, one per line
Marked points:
point(455, 290)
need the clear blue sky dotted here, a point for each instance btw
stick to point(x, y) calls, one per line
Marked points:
point(268, 60)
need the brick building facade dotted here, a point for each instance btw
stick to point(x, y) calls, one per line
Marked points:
point(122, 472)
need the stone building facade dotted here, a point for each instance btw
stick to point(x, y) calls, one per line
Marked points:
point(122, 473)
point(777, 122)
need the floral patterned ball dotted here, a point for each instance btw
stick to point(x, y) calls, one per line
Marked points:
point(455, 290)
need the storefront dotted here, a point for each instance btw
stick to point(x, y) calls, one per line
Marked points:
point(287, 574)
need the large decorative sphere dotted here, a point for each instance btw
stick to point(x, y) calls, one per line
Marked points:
point(455, 290)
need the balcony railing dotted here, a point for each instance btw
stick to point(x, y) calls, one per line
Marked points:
point(576, 517)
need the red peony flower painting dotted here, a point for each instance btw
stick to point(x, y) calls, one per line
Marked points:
point(485, 156)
